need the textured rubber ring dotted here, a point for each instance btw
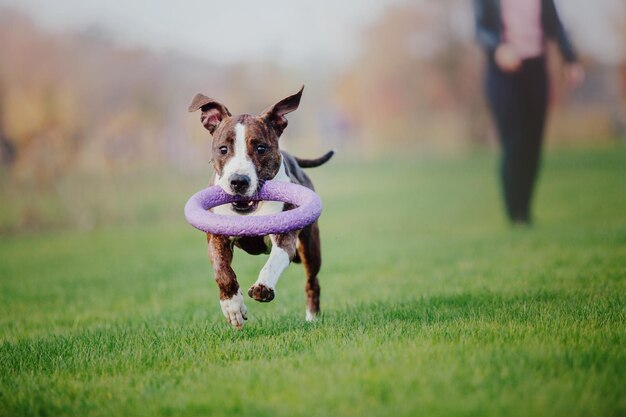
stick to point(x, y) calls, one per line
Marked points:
point(307, 202)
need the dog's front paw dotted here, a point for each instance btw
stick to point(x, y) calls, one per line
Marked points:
point(261, 293)
point(235, 310)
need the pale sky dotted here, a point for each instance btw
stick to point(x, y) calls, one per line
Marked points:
point(298, 33)
point(597, 27)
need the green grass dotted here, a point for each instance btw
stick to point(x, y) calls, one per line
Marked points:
point(432, 305)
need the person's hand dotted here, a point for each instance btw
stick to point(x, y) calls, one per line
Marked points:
point(507, 59)
point(575, 74)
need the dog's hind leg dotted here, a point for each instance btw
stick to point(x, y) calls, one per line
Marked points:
point(310, 253)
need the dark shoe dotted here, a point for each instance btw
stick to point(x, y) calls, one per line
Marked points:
point(521, 222)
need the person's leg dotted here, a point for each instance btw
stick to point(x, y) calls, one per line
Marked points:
point(534, 99)
point(503, 96)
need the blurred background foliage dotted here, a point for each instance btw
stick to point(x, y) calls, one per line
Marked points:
point(86, 121)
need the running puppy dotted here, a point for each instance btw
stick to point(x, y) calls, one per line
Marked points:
point(245, 154)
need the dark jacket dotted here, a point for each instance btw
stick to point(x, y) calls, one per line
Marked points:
point(489, 26)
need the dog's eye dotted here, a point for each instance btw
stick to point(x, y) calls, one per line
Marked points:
point(261, 149)
point(223, 150)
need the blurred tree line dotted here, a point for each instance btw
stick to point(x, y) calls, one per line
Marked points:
point(419, 78)
point(77, 102)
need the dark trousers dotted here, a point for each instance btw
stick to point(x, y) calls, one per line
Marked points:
point(518, 102)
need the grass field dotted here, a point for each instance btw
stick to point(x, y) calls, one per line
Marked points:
point(432, 305)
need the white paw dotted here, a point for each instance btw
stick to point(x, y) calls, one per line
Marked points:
point(310, 316)
point(235, 310)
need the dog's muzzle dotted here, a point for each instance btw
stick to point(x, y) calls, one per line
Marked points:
point(239, 184)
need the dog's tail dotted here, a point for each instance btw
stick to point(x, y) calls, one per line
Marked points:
point(312, 163)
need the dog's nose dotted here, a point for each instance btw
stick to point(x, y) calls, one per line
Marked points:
point(239, 183)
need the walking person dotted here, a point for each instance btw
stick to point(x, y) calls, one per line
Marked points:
point(513, 34)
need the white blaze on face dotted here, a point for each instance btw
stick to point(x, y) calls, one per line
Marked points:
point(239, 163)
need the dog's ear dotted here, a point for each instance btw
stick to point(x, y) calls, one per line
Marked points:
point(275, 115)
point(213, 112)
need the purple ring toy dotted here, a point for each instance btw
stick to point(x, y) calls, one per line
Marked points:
point(309, 208)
